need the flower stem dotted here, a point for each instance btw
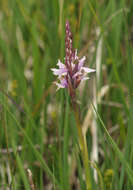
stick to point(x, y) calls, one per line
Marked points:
point(83, 147)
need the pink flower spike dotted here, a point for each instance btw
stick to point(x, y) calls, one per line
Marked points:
point(72, 72)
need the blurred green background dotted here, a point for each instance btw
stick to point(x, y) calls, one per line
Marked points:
point(37, 127)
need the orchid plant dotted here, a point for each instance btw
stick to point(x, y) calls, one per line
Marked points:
point(70, 74)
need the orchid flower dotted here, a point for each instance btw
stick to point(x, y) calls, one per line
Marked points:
point(72, 72)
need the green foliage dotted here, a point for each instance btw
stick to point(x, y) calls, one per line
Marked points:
point(37, 125)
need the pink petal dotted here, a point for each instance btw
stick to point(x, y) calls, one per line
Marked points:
point(61, 65)
point(76, 74)
point(64, 82)
point(81, 62)
point(59, 72)
point(59, 86)
point(85, 78)
point(88, 70)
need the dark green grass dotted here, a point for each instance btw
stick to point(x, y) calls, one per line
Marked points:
point(40, 121)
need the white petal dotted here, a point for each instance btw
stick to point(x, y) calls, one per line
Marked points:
point(59, 86)
point(59, 72)
point(76, 57)
point(76, 74)
point(81, 63)
point(85, 78)
point(88, 70)
point(61, 65)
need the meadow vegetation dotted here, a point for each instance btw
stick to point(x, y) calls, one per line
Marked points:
point(38, 136)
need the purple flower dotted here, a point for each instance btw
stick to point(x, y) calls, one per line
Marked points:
point(72, 72)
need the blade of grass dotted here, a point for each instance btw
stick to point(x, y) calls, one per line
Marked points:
point(115, 147)
point(37, 154)
point(20, 167)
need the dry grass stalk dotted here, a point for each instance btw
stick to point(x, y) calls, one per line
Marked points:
point(30, 179)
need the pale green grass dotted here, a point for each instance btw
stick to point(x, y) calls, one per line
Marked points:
point(32, 40)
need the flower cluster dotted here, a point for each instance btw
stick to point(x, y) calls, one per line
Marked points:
point(73, 71)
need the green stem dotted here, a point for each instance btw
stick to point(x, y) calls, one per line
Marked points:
point(84, 149)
